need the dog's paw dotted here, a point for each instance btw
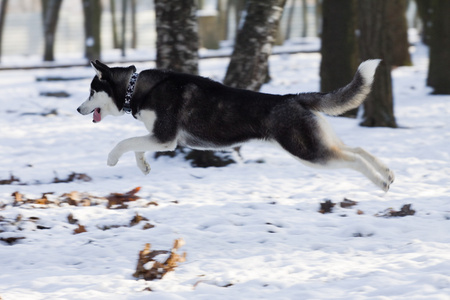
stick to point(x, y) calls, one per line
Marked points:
point(144, 166)
point(391, 176)
point(112, 159)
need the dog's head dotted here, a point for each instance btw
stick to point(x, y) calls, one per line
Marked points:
point(108, 90)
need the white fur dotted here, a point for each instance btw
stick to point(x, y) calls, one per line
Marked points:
point(367, 70)
point(100, 100)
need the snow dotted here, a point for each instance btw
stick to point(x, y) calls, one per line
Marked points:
point(252, 229)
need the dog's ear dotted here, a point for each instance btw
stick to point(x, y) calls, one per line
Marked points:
point(133, 68)
point(101, 69)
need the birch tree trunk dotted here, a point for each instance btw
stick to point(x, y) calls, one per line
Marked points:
point(177, 35)
point(177, 50)
point(248, 67)
point(50, 13)
point(375, 43)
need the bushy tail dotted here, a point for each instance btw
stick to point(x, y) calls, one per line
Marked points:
point(346, 98)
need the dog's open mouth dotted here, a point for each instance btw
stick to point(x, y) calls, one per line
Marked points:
point(97, 115)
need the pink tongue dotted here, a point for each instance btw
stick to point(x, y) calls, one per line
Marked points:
point(97, 116)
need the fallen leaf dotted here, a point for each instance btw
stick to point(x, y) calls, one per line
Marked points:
point(136, 219)
point(71, 219)
point(80, 229)
point(403, 212)
point(118, 199)
point(12, 240)
point(158, 267)
point(347, 203)
point(326, 207)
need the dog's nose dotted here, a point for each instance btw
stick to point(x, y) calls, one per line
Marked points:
point(78, 110)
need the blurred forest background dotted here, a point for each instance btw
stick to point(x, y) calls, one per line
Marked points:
point(172, 32)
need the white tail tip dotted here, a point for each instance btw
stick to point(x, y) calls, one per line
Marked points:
point(367, 70)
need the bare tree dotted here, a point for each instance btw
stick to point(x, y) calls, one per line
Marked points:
point(112, 6)
point(439, 69)
point(339, 46)
point(424, 11)
point(177, 50)
point(398, 32)
point(3, 6)
point(92, 11)
point(248, 67)
point(50, 14)
point(124, 27)
point(375, 43)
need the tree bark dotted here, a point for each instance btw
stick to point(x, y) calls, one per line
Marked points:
point(424, 10)
point(249, 61)
point(439, 68)
point(339, 46)
point(133, 25)
point(50, 13)
point(374, 43)
point(177, 50)
point(112, 5)
point(177, 35)
point(3, 6)
point(92, 16)
point(398, 32)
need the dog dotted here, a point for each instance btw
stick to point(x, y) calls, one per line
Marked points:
point(199, 113)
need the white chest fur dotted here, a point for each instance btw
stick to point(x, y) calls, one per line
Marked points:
point(148, 117)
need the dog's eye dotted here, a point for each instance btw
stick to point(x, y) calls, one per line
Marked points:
point(92, 93)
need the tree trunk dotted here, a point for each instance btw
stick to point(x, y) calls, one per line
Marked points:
point(177, 49)
point(50, 13)
point(304, 18)
point(374, 43)
point(398, 32)
point(3, 6)
point(133, 25)
point(123, 40)
point(339, 46)
point(92, 10)
point(439, 68)
point(424, 10)
point(249, 61)
point(112, 5)
point(177, 35)
point(290, 18)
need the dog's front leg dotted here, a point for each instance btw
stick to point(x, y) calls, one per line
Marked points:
point(141, 162)
point(139, 145)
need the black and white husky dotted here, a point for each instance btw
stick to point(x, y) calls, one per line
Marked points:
point(196, 112)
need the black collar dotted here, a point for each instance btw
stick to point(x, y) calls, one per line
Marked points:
point(129, 93)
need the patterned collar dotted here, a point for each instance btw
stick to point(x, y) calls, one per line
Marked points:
point(129, 93)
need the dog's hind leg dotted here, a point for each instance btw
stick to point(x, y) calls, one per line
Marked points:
point(139, 145)
point(364, 163)
point(312, 140)
point(384, 170)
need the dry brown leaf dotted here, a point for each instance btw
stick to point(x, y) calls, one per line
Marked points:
point(347, 203)
point(148, 226)
point(136, 219)
point(159, 268)
point(117, 199)
point(71, 219)
point(80, 229)
point(326, 207)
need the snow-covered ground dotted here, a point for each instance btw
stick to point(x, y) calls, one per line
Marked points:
point(252, 229)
